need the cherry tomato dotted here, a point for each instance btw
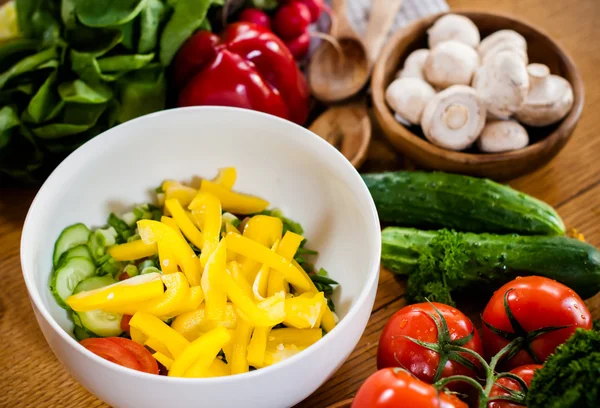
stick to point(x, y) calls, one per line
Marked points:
point(395, 387)
point(535, 302)
point(147, 363)
point(299, 46)
point(256, 16)
point(124, 276)
point(315, 7)
point(125, 323)
point(291, 20)
point(397, 351)
point(525, 372)
point(112, 352)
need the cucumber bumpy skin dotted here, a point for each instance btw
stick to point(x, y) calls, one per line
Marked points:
point(494, 258)
point(441, 200)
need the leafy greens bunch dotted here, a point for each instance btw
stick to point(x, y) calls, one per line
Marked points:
point(81, 67)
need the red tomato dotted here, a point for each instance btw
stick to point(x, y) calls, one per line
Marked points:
point(142, 355)
point(112, 352)
point(299, 46)
point(525, 372)
point(394, 387)
point(125, 323)
point(397, 351)
point(291, 20)
point(535, 302)
point(315, 7)
point(256, 16)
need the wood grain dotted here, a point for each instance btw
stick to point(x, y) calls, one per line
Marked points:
point(31, 375)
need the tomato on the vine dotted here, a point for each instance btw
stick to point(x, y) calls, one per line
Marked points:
point(525, 372)
point(420, 321)
point(539, 311)
point(395, 387)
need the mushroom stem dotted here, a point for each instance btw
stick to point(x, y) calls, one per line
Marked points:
point(455, 116)
point(537, 73)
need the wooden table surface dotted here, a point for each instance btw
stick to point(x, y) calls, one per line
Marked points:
point(31, 375)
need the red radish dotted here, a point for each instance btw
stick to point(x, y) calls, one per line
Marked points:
point(315, 7)
point(299, 46)
point(256, 16)
point(291, 20)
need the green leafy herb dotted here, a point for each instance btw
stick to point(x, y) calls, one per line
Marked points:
point(570, 377)
point(124, 231)
point(106, 13)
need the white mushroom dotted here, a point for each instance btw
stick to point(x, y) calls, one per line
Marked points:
point(502, 136)
point(501, 41)
point(503, 84)
point(454, 118)
point(453, 27)
point(408, 97)
point(550, 97)
point(450, 63)
point(413, 66)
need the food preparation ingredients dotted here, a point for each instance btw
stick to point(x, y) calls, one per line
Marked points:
point(413, 66)
point(315, 7)
point(502, 136)
point(248, 67)
point(524, 372)
point(503, 40)
point(291, 20)
point(453, 27)
point(569, 378)
point(408, 97)
point(256, 16)
point(503, 84)
point(450, 63)
point(540, 312)
point(440, 262)
point(443, 200)
point(299, 46)
point(436, 360)
point(549, 100)
point(191, 282)
point(395, 387)
point(454, 118)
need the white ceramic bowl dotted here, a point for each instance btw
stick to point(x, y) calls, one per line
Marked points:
point(276, 159)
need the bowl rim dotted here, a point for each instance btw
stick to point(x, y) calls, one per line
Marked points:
point(88, 148)
point(558, 135)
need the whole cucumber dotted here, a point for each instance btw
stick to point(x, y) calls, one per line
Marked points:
point(442, 200)
point(465, 258)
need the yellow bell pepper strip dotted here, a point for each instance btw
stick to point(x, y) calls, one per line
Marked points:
point(261, 283)
point(329, 319)
point(166, 258)
point(266, 231)
point(200, 353)
point(171, 300)
point(157, 346)
point(191, 303)
point(304, 311)
point(239, 360)
point(298, 337)
point(176, 190)
point(192, 324)
point(155, 328)
point(183, 222)
point(226, 177)
point(234, 202)
point(238, 276)
point(312, 288)
point(253, 250)
point(132, 251)
point(289, 245)
point(228, 348)
point(154, 231)
point(258, 346)
point(137, 335)
point(276, 284)
point(280, 352)
point(195, 220)
point(128, 292)
point(230, 228)
point(213, 283)
point(265, 314)
point(207, 207)
point(164, 360)
point(171, 223)
point(218, 368)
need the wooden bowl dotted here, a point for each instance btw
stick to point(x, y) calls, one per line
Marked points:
point(545, 142)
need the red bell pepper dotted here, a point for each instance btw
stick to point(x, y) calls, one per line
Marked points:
point(248, 67)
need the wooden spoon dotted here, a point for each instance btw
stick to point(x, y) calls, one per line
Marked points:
point(348, 127)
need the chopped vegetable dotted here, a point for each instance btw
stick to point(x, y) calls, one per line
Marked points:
point(133, 250)
point(199, 355)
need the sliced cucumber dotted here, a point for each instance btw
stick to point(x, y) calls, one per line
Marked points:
point(80, 251)
point(66, 278)
point(72, 236)
point(94, 282)
point(100, 239)
point(97, 322)
point(101, 323)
